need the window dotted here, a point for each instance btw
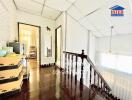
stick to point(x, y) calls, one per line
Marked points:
point(117, 62)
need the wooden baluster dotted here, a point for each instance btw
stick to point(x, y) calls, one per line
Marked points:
point(71, 65)
point(106, 89)
point(75, 86)
point(76, 69)
point(98, 80)
point(90, 74)
point(71, 84)
point(68, 64)
point(94, 77)
point(101, 83)
point(103, 86)
point(76, 59)
point(81, 79)
point(104, 92)
point(103, 89)
point(82, 65)
point(107, 92)
point(68, 69)
point(71, 72)
point(65, 69)
point(76, 64)
point(65, 62)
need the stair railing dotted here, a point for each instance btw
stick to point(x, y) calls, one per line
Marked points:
point(71, 57)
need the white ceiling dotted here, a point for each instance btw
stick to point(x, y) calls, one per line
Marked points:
point(99, 21)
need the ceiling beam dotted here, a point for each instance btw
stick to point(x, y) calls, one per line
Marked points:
point(72, 3)
point(33, 14)
point(15, 4)
point(77, 21)
point(58, 16)
point(88, 21)
point(43, 7)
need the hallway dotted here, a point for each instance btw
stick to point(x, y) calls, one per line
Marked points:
point(49, 84)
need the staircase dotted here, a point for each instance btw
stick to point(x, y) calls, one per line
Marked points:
point(75, 68)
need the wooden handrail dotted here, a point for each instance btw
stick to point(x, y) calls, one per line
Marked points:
point(93, 66)
point(104, 84)
point(76, 54)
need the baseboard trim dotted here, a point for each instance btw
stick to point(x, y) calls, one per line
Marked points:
point(61, 69)
point(47, 65)
point(50, 65)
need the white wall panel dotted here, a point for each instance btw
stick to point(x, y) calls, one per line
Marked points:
point(61, 22)
point(8, 27)
point(77, 36)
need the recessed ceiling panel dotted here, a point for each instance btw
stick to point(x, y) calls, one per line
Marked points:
point(87, 24)
point(29, 5)
point(39, 1)
point(50, 13)
point(29, 11)
point(99, 21)
point(73, 11)
point(61, 5)
point(87, 6)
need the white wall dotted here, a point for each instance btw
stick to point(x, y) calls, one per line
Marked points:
point(43, 22)
point(91, 46)
point(60, 21)
point(121, 44)
point(8, 26)
point(76, 37)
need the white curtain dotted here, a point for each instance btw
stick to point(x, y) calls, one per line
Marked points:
point(117, 71)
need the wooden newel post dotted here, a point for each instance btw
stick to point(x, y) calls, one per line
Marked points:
point(82, 65)
point(82, 52)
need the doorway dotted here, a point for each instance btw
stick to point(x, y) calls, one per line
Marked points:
point(58, 33)
point(29, 36)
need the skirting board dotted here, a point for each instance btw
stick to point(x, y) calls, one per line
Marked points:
point(47, 65)
point(50, 65)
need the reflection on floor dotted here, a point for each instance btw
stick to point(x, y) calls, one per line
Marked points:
point(51, 84)
point(32, 63)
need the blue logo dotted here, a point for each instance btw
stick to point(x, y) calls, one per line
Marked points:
point(117, 11)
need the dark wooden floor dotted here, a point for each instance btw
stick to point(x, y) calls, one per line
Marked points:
point(51, 84)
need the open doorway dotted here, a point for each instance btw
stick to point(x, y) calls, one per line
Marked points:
point(29, 36)
point(58, 32)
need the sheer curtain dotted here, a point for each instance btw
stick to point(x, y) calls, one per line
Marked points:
point(117, 71)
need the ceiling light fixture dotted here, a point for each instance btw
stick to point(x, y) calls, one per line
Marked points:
point(110, 49)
